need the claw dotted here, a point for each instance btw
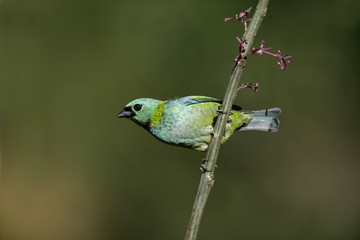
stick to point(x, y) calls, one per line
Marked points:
point(202, 166)
point(219, 111)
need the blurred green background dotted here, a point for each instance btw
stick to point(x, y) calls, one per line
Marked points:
point(72, 170)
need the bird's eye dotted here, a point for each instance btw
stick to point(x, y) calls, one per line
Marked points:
point(137, 107)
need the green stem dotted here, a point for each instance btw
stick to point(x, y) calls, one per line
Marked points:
point(208, 178)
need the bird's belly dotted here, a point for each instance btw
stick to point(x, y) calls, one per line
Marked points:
point(183, 133)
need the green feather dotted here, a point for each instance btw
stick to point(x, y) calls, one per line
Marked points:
point(157, 114)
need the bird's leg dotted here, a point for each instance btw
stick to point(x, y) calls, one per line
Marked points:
point(219, 110)
point(202, 166)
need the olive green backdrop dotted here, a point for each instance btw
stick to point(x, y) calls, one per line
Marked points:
point(72, 170)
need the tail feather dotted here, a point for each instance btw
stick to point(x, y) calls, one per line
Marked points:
point(263, 120)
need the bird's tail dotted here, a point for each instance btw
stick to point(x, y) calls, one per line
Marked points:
point(263, 120)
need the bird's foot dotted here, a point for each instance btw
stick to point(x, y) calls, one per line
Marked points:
point(219, 110)
point(203, 168)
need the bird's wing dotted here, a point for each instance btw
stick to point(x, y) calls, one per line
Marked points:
point(190, 100)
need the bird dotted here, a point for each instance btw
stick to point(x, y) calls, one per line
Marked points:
point(189, 121)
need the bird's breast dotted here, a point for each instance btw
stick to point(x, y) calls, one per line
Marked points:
point(185, 125)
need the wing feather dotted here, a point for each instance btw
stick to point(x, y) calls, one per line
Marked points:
point(190, 100)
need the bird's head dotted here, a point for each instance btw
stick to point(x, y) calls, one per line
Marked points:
point(140, 111)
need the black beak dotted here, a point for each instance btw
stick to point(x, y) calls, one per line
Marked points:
point(126, 113)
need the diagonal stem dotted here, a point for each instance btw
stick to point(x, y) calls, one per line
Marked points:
point(208, 178)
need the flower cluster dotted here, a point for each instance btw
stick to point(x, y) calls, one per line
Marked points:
point(242, 17)
point(261, 50)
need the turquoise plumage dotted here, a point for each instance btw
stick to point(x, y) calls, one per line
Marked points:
point(189, 121)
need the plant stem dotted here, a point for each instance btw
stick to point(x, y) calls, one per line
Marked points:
point(208, 178)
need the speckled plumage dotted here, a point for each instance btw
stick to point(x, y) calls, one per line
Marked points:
point(189, 121)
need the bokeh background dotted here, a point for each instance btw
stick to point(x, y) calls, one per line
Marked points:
point(72, 170)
